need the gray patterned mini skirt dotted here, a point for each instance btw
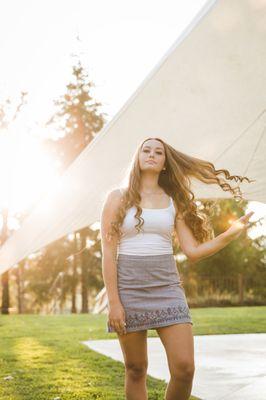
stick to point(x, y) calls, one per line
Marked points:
point(151, 292)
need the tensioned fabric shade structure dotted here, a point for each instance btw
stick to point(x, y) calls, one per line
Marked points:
point(206, 97)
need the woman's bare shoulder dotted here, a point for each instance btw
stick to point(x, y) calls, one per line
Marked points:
point(114, 195)
point(116, 192)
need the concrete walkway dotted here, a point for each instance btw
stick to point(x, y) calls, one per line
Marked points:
point(228, 367)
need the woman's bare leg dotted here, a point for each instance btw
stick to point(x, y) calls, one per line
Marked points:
point(178, 342)
point(134, 348)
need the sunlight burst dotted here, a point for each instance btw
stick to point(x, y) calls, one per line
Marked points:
point(26, 170)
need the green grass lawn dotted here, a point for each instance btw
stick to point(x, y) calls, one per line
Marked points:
point(44, 355)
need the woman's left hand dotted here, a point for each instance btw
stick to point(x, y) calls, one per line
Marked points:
point(238, 226)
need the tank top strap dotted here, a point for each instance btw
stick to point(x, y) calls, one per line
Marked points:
point(172, 204)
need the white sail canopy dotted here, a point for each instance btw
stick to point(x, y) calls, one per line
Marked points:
point(206, 97)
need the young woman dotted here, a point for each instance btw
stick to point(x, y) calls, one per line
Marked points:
point(143, 285)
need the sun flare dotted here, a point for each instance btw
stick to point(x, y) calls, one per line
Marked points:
point(26, 171)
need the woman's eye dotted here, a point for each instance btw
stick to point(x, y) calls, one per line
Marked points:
point(157, 152)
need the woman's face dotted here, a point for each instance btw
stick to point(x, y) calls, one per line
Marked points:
point(152, 156)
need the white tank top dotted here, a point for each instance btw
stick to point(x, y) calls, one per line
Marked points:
point(156, 235)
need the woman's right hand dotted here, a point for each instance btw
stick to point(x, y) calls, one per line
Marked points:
point(117, 318)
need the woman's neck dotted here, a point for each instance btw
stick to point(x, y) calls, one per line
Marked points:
point(149, 184)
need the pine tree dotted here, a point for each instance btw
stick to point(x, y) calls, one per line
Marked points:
point(77, 116)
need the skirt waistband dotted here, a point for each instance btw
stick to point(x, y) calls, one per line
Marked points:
point(136, 256)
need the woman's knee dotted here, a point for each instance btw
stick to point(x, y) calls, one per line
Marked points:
point(183, 369)
point(136, 370)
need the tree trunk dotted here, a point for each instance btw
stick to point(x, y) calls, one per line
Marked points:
point(84, 275)
point(5, 276)
point(5, 293)
point(240, 288)
point(74, 277)
point(20, 286)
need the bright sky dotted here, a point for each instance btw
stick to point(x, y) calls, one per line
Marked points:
point(120, 43)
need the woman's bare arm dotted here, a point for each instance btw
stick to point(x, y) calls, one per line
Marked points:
point(116, 312)
point(195, 251)
point(109, 248)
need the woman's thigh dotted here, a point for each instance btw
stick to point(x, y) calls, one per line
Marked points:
point(134, 348)
point(178, 342)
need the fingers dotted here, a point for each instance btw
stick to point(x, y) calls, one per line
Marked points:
point(250, 214)
point(248, 225)
point(119, 326)
point(246, 217)
point(123, 328)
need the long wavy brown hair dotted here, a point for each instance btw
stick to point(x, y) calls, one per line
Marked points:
point(175, 180)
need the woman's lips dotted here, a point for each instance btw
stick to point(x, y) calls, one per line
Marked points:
point(151, 161)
